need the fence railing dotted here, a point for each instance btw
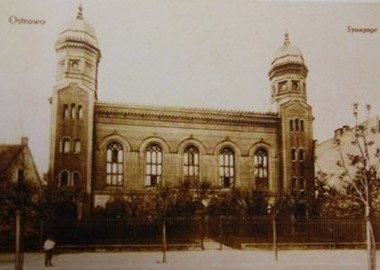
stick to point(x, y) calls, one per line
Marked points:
point(195, 231)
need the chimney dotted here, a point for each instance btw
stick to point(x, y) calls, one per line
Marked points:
point(24, 141)
point(337, 133)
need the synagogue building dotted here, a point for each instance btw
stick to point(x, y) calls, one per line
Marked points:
point(105, 148)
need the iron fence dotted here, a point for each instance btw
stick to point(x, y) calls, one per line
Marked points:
point(196, 231)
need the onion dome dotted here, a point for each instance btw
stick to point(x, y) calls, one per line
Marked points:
point(287, 54)
point(76, 32)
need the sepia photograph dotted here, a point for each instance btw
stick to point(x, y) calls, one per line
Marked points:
point(189, 134)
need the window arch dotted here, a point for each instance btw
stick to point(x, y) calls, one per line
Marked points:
point(114, 164)
point(227, 167)
point(79, 112)
point(153, 165)
point(261, 166)
point(191, 165)
point(65, 145)
point(77, 146)
point(64, 179)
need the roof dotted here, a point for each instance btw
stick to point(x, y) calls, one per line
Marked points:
point(8, 153)
point(287, 54)
point(117, 110)
point(77, 31)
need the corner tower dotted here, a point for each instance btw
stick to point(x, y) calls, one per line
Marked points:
point(288, 75)
point(72, 119)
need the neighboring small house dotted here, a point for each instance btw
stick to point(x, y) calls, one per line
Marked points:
point(16, 162)
point(328, 153)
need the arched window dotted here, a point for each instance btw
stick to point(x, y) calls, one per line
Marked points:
point(294, 185)
point(227, 167)
point(191, 165)
point(302, 184)
point(79, 112)
point(261, 172)
point(294, 154)
point(66, 113)
point(153, 165)
point(297, 124)
point(302, 126)
point(291, 124)
point(64, 179)
point(302, 155)
point(75, 179)
point(73, 111)
point(77, 146)
point(114, 164)
point(65, 145)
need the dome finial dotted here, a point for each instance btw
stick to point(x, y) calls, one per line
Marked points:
point(287, 41)
point(80, 12)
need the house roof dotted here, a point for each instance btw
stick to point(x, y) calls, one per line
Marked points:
point(8, 153)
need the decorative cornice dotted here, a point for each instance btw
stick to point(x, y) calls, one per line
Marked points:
point(75, 43)
point(181, 114)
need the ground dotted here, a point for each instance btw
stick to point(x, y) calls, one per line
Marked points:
point(198, 260)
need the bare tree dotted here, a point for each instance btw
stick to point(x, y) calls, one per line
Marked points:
point(359, 174)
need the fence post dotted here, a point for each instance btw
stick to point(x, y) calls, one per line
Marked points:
point(164, 240)
point(41, 232)
point(18, 242)
point(203, 231)
point(221, 232)
point(274, 237)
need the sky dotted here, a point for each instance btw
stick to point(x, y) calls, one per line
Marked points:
point(191, 53)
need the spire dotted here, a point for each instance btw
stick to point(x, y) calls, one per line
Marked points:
point(287, 41)
point(80, 12)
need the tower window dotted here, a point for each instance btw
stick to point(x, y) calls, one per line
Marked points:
point(73, 111)
point(227, 167)
point(88, 67)
point(260, 161)
point(301, 155)
point(77, 146)
point(302, 184)
point(296, 121)
point(302, 126)
point(295, 85)
point(282, 86)
point(64, 179)
point(191, 165)
point(74, 64)
point(76, 179)
point(294, 154)
point(114, 164)
point(66, 113)
point(294, 185)
point(291, 123)
point(153, 167)
point(65, 145)
point(61, 65)
point(79, 112)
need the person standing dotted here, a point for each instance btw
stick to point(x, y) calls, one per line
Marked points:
point(48, 249)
